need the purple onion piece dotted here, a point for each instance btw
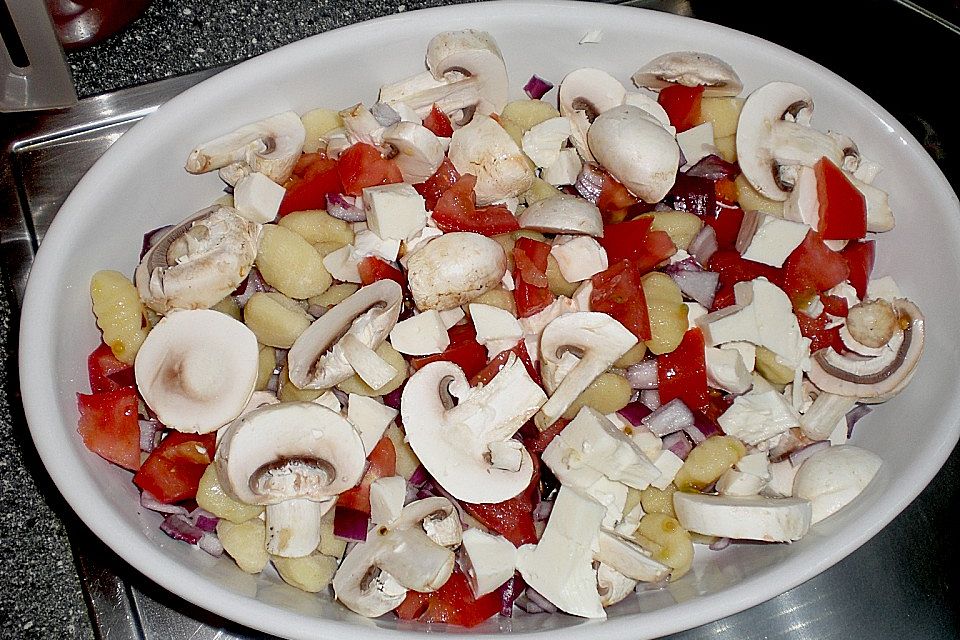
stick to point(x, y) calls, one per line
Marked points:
point(343, 397)
point(316, 310)
point(704, 245)
point(687, 264)
point(344, 207)
point(150, 238)
point(713, 167)
point(148, 434)
point(204, 519)
point(669, 418)
point(797, 456)
point(392, 399)
point(419, 477)
point(178, 527)
point(643, 375)
point(251, 285)
point(509, 592)
point(854, 415)
point(536, 87)
point(720, 544)
point(534, 597)
point(148, 501)
point(350, 524)
point(701, 286)
point(210, 543)
point(634, 413)
point(589, 182)
point(542, 511)
point(678, 444)
point(650, 399)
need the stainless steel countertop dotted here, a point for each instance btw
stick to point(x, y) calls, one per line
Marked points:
point(902, 583)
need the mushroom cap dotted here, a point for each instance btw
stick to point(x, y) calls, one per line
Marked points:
point(270, 146)
point(419, 150)
point(199, 262)
point(474, 54)
point(483, 148)
point(197, 369)
point(454, 269)
point(316, 361)
point(563, 214)
point(453, 442)
point(591, 91)
point(879, 378)
point(635, 148)
point(691, 69)
point(292, 450)
point(832, 478)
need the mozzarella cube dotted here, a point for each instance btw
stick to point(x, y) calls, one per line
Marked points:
point(630, 521)
point(884, 288)
point(394, 211)
point(694, 310)
point(738, 483)
point(506, 454)
point(613, 497)
point(257, 198)
point(423, 334)
point(387, 496)
point(418, 241)
point(329, 400)
point(507, 281)
point(649, 443)
point(579, 258)
point(696, 143)
point(450, 317)
point(767, 239)
point(565, 169)
point(367, 243)
point(759, 415)
point(342, 265)
point(756, 464)
point(726, 371)
point(542, 143)
point(497, 329)
point(781, 479)
point(490, 560)
point(668, 463)
point(370, 418)
point(747, 351)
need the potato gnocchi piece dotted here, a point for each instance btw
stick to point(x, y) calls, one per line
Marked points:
point(633, 356)
point(667, 313)
point(289, 392)
point(528, 113)
point(230, 307)
point(246, 543)
point(330, 544)
point(727, 147)
point(288, 263)
point(310, 573)
point(334, 295)
point(499, 297)
point(723, 112)
point(266, 365)
point(708, 461)
point(326, 248)
point(751, 200)
point(407, 460)
point(541, 190)
point(275, 319)
point(317, 226)
point(354, 384)
point(212, 497)
point(318, 123)
point(609, 392)
point(770, 368)
point(681, 226)
point(667, 541)
point(555, 280)
point(119, 313)
point(655, 500)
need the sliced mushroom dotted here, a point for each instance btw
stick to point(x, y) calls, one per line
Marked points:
point(454, 269)
point(583, 95)
point(418, 152)
point(271, 146)
point(628, 558)
point(374, 577)
point(691, 69)
point(596, 338)
point(197, 369)
point(484, 149)
point(317, 360)
point(295, 458)
point(453, 441)
point(361, 126)
point(634, 147)
point(612, 585)
point(438, 518)
point(199, 262)
point(774, 138)
point(563, 214)
point(873, 379)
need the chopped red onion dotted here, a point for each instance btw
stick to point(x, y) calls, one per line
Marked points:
point(419, 477)
point(701, 429)
point(350, 524)
point(669, 418)
point(650, 398)
point(643, 375)
point(788, 443)
point(148, 434)
point(720, 544)
point(854, 415)
point(204, 519)
point(343, 397)
point(251, 285)
point(589, 182)
point(797, 456)
point(533, 602)
point(150, 238)
point(704, 245)
point(634, 413)
point(273, 384)
point(210, 543)
point(536, 87)
point(713, 167)
point(344, 207)
point(178, 527)
point(392, 399)
point(542, 510)
point(687, 264)
point(384, 114)
point(678, 444)
point(699, 285)
point(509, 593)
point(149, 501)
point(695, 434)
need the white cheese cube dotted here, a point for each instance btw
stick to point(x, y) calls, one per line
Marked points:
point(726, 371)
point(884, 288)
point(630, 521)
point(342, 265)
point(257, 198)
point(387, 496)
point(450, 317)
point(542, 143)
point(367, 243)
point(394, 211)
point(738, 483)
point(490, 560)
point(370, 418)
point(694, 310)
point(747, 351)
point(423, 334)
point(781, 479)
point(696, 143)
point(649, 443)
point(579, 258)
point(756, 464)
point(497, 329)
point(506, 454)
point(565, 170)
point(418, 241)
point(758, 415)
point(668, 463)
point(329, 400)
point(613, 497)
point(767, 239)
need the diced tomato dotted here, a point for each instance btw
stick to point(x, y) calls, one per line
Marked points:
point(614, 196)
point(843, 209)
point(536, 441)
point(311, 193)
point(682, 373)
point(816, 330)
point(454, 603)
point(362, 166)
point(172, 471)
point(513, 518)
point(682, 105)
point(373, 269)
point(531, 291)
point(456, 211)
point(733, 269)
point(442, 179)
point(464, 351)
point(109, 426)
point(618, 291)
point(694, 194)
point(860, 257)
point(726, 224)
point(835, 305)
point(635, 241)
point(413, 606)
point(726, 190)
point(500, 360)
point(106, 372)
point(812, 268)
point(438, 122)
point(382, 463)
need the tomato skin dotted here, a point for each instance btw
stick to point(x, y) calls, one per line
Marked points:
point(315, 177)
point(464, 351)
point(694, 194)
point(843, 209)
point(382, 463)
point(835, 305)
point(362, 166)
point(513, 518)
point(682, 373)
point(618, 291)
point(499, 361)
point(456, 211)
point(531, 291)
point(811, 269)
point(106, 373)
point(442, 179)
point(538, 441)
point(860, 257)
point(733, 269)
point(438, 122)
point(816, 330)
point(373, 269)
point(682, 105)
point(413, 606)
point(109, 426)
point(635, 241)
point(172, 471)
point(454, 603)
point(726, 224)
point(614, 196)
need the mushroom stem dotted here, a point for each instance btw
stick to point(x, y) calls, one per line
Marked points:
point(293, 526)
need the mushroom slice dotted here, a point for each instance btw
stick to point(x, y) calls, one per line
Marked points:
point(596, 338)
point(563, 214)
point(271, 146)
point(418, 152)
point(635, 148)
point(453, 441)
point(294, 457)
point(317, 359)
point(453, 269)
point(873, 379)
point(591, 91)
point(774, 138)
point(691, 69)
point(438, 518)
point(374, 577)
point(197, 369)
point(199, 262)
point(628, 558)
point(483, 148)
point(612, 585)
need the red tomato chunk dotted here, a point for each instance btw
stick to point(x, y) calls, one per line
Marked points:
point(109, 426)
point(172, 471)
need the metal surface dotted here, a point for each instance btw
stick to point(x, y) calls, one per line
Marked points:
point(899, 585)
